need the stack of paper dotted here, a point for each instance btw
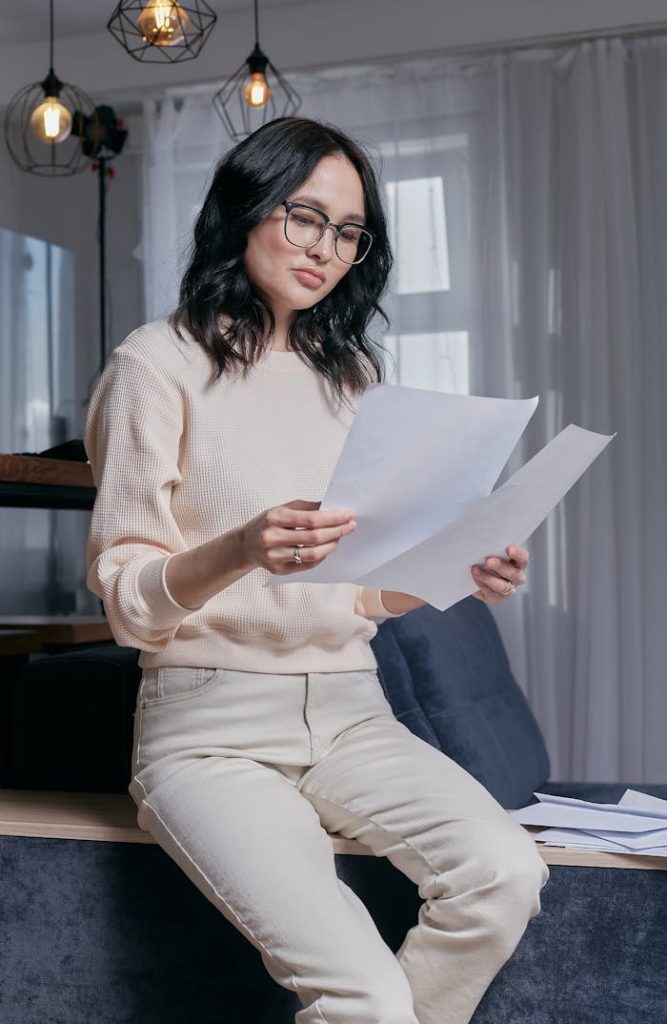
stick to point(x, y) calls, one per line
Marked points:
point(417, 468)
point(636, 824)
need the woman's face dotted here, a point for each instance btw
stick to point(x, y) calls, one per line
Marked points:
point(272, 262)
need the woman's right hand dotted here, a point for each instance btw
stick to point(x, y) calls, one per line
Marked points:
point(270, 538)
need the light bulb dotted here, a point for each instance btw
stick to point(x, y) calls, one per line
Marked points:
point(162, 22)
point(51, 121)
point(256, 92)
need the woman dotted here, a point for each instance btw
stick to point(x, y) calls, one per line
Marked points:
point(261, 724)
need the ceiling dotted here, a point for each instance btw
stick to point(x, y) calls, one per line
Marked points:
point(27, 21)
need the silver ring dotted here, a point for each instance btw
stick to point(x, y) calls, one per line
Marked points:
point(297, 554)
point(511, 589)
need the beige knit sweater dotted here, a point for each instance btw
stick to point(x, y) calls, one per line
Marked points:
point(178, 461)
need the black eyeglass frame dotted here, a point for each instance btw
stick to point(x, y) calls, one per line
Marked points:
point(289, 206)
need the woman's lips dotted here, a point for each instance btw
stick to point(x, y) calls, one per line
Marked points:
point(310, 280)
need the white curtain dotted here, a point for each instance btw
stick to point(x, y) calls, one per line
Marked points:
point(525, 193)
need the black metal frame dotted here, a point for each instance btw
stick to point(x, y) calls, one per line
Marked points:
point(54, 159)
point(289, 206)
point(122, 27)
point(232, 90)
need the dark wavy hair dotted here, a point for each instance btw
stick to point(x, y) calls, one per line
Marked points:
point(249, 182)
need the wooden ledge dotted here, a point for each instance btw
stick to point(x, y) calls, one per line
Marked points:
point(112, 817)
point(31, 469)
point(61, 629)
point(106, 817)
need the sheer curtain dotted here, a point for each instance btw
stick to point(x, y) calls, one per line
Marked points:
point(528, 215)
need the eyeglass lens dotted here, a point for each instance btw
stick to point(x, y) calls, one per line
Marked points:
point(305, 227)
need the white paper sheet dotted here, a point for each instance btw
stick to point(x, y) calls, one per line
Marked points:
point(574, 840)
point(637, 824)
point(632, 802)
point(612, 819)
point(416, 469)
point(643, 801)
point(642, 841)
point(403, 475)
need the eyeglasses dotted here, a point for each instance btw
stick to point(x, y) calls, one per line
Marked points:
point(304, 226)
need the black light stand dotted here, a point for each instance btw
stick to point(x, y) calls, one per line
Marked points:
point(101, 241)
point(102, 138)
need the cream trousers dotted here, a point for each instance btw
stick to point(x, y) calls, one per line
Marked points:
point(240, 776)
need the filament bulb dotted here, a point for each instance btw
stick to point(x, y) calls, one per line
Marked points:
point(51, 121)
point(256, 92)
point(163, 23)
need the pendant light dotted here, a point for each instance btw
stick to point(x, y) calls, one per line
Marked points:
point(39, 122)
point(256, 93)
point(153, 31)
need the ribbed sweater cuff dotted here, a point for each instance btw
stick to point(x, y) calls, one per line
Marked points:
point(374, 606)
point(153, 591)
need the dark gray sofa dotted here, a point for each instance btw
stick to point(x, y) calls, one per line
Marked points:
point(115, 933)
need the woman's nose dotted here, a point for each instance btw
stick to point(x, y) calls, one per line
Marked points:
point(325, 245)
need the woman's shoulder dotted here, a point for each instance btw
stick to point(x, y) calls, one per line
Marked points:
point(165, 349)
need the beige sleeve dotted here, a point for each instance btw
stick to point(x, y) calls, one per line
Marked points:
point(132, 436)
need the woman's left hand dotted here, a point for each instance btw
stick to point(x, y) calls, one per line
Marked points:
point(492, 577)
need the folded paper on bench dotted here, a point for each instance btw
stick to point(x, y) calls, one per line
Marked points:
point(637, 824)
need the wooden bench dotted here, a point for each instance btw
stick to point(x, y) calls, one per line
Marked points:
point(99, 923)
point(112, 817)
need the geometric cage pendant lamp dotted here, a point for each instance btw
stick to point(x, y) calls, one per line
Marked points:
point(154, 31)
point(255, 93)
point(39, 121)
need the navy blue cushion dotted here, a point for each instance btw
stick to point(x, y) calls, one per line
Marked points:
point(447, 678)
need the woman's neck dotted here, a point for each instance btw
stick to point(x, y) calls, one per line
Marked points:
point(278, 340)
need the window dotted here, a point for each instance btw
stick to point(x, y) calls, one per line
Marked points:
point(438, 362)
point(418, 234)
point(42, 550)
point(428, 204)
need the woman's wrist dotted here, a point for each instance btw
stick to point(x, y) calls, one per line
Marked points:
point(194, 576)
point(397, 603)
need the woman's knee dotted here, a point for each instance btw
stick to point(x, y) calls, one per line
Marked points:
point(522, 872)
point(516, 870)
point(498, 861)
